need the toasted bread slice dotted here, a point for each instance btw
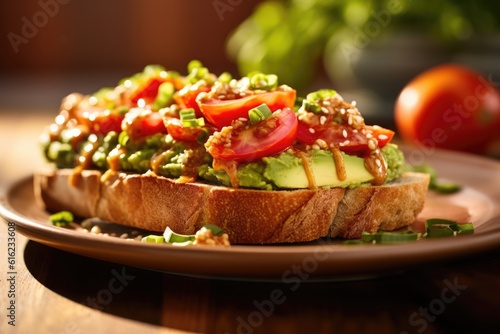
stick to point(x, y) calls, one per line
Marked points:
point(151, 202)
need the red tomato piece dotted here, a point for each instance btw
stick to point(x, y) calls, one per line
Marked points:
point(344, 137)
point(148, 92)
point(449, 106)
point(179, 132)
point(223, 112)
point(265, 138)
point(140, 123)
point(186, 97)
point(104, 123)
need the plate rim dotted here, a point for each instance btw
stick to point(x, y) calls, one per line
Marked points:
point(442, 249)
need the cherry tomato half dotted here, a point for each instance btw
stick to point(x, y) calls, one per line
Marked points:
point(223, 112)
point(344, 137)
point(265, 138)
point(179, 132)
point(449, 106)
point(141, 122)
point(148, 92)
point(186, 97)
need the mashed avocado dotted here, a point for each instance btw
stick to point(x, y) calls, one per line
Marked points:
point(286, 171)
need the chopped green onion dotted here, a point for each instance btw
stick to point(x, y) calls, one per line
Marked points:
point(435, 228)
point(203, 136)
point(466, 228)
point(446, 187)
point(123, 138)
point(225, 77)
point(311, 106)
point(389, 237)
point(259, 113)
point(320, 95)
point(154, 239)
point(62, 218)
point(188, 118)
point(194, 64)
point(198, 72)
point(152, 70)
point(165, 96)
point(438, 227)
point(171, 237)
point(434, 184)
point(263, 81)
point(216, 230)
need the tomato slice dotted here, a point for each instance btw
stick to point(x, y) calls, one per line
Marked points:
point(148, 92)
point(141, 122)
point(179, 132)
point(222, 112)
point(265, 138)
point(344, 137)
point(104, 123)
point(186, 97)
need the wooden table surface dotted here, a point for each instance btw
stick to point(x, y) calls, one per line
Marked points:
point(59, 292)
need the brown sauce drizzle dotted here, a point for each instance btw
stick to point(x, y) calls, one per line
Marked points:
point(84, 160)
point(306, 162)
point(375, 164)
point(339, 163)
point(231, 168)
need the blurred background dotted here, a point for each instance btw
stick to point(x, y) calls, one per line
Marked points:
point(365, 49)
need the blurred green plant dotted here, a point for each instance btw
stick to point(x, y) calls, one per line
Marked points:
point(289, 37)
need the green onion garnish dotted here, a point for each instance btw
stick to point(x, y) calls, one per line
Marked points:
point(389, 237)
point(189, 120)
point(62, 218)
point(177, 239)
point(225, 77)
point(437, 228)
point(259, 113)
point(165, 96)
point(434, 184)
point(153, 239)
point(320, 95)
point(171, 237)
point(263, 81)
point(216, 230)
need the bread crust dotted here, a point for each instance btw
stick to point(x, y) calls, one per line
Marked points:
point(152, 202)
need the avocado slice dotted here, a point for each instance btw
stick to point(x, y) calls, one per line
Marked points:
point(287, 171)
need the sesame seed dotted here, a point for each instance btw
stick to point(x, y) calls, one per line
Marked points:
point(311, 130)
point(349, 120)
point(372, 144)
point(322, 120)
point(324, 110)
point(344, 133)
point(378, 163)
point(342, 111)
point(369, 135)
point(353, 103)
point(382, 137)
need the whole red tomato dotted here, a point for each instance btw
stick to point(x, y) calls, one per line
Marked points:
point(449, 106)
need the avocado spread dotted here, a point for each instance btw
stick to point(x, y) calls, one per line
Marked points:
point(250, 132)
point(286, 171)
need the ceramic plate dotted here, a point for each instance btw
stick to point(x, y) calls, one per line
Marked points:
point(320, 260)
